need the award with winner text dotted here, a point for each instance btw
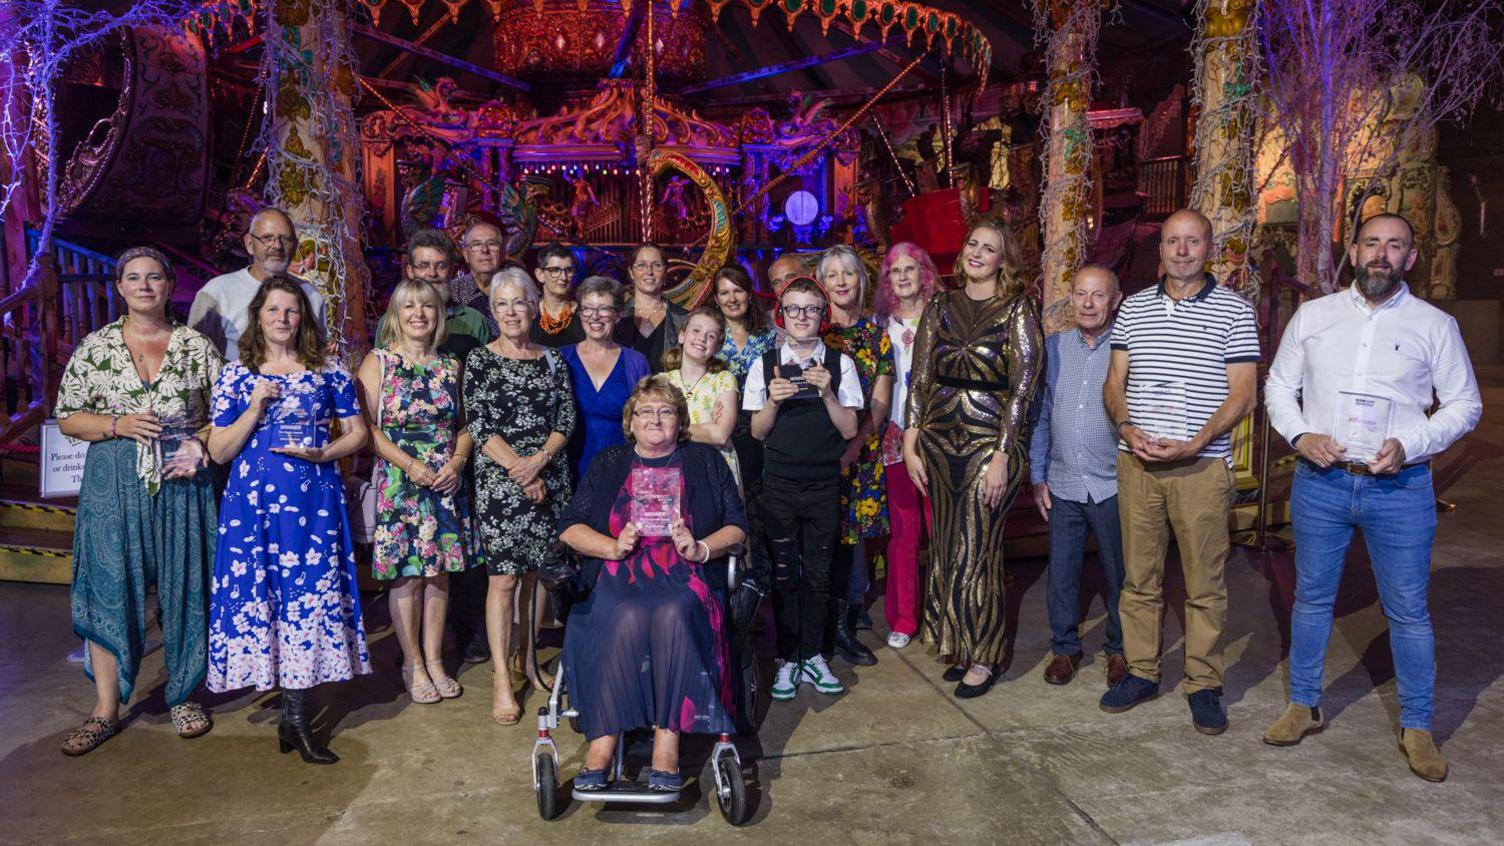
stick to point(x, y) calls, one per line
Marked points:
point(1362, 424)
point(655, 499)
point(173, 447)
point(1162, 413)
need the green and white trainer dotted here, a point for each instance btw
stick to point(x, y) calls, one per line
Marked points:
point(818, 673)
point(786, 681)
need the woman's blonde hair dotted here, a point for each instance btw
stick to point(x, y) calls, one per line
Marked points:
point(673, 357)
point(1008, 282)
point(658, 386)
point(849, 261)
point(391, 324)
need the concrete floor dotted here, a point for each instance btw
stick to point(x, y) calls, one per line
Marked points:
point(897, 760)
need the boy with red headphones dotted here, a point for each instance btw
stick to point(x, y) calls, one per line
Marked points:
point(804, 398)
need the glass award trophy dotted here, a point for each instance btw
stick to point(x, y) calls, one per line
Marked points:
point(1163, 412)
point(655, 499)
point(173, 447)
point(293, 425)
point(1362, 424)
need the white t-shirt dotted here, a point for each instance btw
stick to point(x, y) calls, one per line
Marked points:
point(221, 309)
point(903, 362)
point(848, 393)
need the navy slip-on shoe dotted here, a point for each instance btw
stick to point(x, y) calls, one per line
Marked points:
point(1206, 711)
point(1129, 692)
point(590, 780)
point(662, 781)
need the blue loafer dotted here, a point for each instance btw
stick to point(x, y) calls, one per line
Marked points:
point(663, 781)
point(590, 780)
point(1206, 711)
point(1129, 692)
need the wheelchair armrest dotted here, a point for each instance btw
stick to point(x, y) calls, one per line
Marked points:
point(734, 557)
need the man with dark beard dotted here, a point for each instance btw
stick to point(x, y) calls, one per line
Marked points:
point(1349, 389)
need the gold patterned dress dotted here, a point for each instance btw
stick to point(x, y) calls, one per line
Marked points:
point(976, 365)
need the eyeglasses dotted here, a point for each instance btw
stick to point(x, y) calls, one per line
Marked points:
point(805, 311)
point(592, 311)
point(645, 266)
point(484, 246)
point(271, 240)
point(555, 271)
point(652, 413)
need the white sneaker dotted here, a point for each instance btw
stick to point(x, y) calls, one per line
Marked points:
point(786, 681)
point(818, 673)
point(898, 640)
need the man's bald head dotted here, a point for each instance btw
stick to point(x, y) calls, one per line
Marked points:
point(271, 239)
point(783, 269)
point(1185, 241)
point(1094, 298)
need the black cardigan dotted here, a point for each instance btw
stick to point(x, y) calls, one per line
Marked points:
point(710, 490)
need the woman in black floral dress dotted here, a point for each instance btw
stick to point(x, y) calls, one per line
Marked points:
point(521, 413)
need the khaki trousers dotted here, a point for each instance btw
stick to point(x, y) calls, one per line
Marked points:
point(1192, 497)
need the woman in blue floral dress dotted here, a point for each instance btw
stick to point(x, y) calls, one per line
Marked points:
point(284, 610)
point(422, 520)
point(864, 499)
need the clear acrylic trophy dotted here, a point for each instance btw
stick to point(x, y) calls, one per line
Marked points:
point(293, 426)
point(171, 449)
point(1362, 424)
point(655, 499)
point(1163, 411)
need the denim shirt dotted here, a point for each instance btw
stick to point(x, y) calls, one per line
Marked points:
point(1073, 446)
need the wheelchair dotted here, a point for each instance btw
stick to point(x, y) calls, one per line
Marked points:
point(725, 763)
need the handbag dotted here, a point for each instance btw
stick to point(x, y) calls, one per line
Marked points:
point(363, 512)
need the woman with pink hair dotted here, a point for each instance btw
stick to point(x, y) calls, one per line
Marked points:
point(906, 282)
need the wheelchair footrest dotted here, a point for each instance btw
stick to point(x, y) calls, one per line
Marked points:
point(630, 792)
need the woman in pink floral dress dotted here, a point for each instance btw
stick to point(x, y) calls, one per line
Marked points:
point(412, 396)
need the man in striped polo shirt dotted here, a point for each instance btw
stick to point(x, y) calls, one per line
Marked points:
point(1183, 373)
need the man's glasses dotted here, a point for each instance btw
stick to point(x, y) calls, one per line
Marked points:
point(484, 246)
point(804, 311)
point(273, 240)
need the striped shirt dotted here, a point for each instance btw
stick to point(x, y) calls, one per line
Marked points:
point(1178, 352)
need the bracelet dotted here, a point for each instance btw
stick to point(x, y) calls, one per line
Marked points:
point(706, 559)
point(113, 422)
point(1119, 427)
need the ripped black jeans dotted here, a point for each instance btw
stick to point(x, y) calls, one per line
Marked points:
point(800, 518)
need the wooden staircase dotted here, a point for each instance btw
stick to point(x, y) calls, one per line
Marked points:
point(36, 538)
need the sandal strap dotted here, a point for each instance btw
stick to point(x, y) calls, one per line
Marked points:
point(94, 730)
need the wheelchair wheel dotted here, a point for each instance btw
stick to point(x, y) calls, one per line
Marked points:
point(546, 770)
point(731, 789)
point(749, 714)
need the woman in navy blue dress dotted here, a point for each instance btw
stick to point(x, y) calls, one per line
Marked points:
point(647, 647)
point(601, 371)
point(284, 609)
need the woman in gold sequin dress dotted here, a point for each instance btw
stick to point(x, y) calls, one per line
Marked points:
point(978, 355)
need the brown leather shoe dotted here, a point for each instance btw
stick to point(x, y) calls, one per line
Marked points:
point(1425, 759)
point(1117, 668)
point(1062, 668)
point(1297, 722)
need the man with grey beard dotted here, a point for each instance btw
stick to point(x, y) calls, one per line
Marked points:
point(220, 310)
point(1350, 389)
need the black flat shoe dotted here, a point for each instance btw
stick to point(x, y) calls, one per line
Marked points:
point(972, 691)
point(954, 674)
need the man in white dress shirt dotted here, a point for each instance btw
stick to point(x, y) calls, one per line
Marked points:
point(1349, 389)
point(220, 310)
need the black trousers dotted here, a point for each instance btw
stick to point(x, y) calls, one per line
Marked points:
point(801, 518)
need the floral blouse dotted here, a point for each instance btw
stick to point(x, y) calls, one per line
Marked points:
point(701, 397)
point(101, 379)
point(739, 360)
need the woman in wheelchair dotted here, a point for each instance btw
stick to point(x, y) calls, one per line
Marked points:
point(652, 519)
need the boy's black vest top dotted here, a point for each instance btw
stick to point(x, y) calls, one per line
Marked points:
point(803, 444)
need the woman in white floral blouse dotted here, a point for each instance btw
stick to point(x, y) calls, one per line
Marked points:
point(138, 390)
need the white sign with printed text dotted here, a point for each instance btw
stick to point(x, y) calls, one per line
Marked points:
point(61, 464)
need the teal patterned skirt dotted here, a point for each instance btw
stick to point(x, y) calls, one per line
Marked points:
point(126, 542)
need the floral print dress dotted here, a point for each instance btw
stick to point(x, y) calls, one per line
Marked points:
point(284, 608)
point(864, 492)
point(701, 396)
point(522, 401)
point(419, 531)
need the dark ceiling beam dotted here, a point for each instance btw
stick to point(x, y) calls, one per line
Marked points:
point(889, 55)
point(624, 44)
point(421, 40)
point(442, 58)
point(783, 67)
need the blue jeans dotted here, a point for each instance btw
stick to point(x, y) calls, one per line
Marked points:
point(1069, 524)
point(1397, 515)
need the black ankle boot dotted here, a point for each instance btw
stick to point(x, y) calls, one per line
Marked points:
point(293, 732)
point(847, 646)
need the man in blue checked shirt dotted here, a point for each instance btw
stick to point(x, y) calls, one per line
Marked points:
point(1073, 471)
